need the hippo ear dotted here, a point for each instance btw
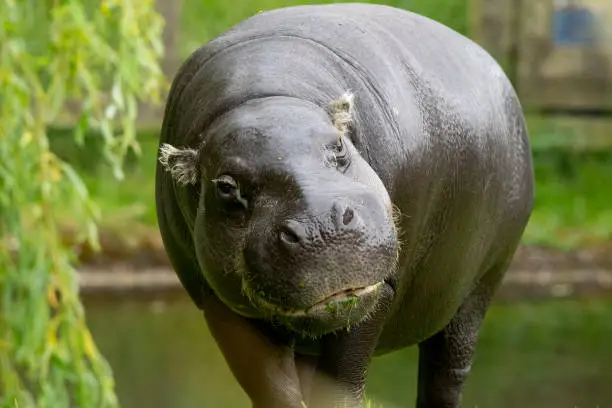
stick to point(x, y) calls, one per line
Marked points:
point(341, 111)
point(181, 163)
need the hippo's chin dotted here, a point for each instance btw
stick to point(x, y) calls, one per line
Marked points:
point(337, 311)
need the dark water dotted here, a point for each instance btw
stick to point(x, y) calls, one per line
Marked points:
point(553, 354)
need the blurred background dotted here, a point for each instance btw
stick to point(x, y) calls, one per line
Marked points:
point(546, 342)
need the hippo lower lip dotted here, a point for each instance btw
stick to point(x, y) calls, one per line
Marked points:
point(345, 295)
point(339, 310)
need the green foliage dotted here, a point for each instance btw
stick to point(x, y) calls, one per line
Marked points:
point(572, 161)
point(572, 205)
point(121, 204)
point(99, 58)
point(204, 19)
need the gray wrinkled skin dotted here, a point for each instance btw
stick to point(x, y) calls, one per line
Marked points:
point(427, 206)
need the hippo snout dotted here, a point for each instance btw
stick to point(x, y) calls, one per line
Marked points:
point(305, 263)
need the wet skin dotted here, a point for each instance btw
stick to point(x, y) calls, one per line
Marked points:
point(317, 228)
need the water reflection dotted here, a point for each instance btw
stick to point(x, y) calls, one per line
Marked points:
point(541, 355)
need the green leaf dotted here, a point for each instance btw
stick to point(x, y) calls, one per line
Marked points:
point(81, 128)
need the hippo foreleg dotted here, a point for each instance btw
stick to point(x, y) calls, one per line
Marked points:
point(445, 359)
point(342, 367)
point(265, 370)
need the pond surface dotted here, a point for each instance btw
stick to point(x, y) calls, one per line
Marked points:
point(552, 354)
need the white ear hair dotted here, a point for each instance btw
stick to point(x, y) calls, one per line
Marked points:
point(181, 163)
point(341, 111)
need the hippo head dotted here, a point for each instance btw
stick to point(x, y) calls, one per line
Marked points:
point(292, 224)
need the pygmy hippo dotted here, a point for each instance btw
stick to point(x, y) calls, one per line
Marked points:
point(337, 182)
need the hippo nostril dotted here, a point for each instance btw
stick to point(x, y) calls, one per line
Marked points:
point(348, 215)
point(289, 234)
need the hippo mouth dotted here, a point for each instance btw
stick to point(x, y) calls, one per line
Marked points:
point(339, 310)
point(341, 298)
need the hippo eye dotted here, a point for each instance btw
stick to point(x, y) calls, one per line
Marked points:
point(226, 186)
point(228, 190)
